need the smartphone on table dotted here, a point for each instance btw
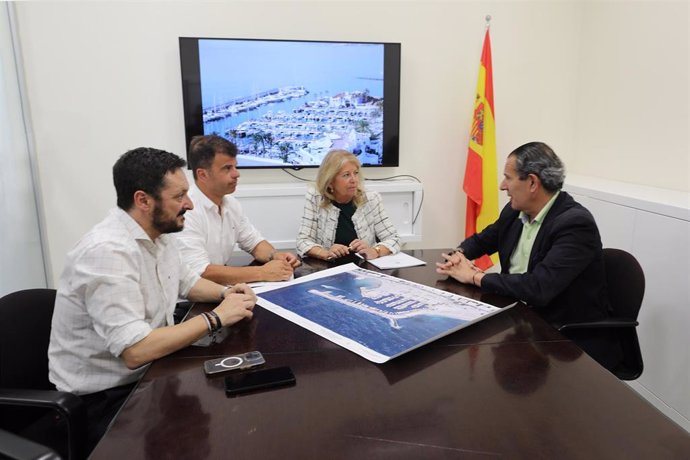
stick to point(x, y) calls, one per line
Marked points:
point(234, 363)
point(252, 380)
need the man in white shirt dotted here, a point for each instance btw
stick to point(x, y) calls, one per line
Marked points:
point(114, 306)
point(218, 223)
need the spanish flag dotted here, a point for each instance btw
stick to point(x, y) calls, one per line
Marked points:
point(481, 176)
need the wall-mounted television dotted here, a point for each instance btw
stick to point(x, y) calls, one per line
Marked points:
point(286, 103)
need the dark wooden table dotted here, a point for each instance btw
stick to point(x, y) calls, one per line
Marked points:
point(507, 387)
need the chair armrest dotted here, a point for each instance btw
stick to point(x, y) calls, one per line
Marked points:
point(61, 401)
point(70, 406)
point(600, 324)
point(13, 446)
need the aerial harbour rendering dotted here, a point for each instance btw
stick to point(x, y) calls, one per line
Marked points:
point(348, 120)
point(286, 104)
point(373, 314)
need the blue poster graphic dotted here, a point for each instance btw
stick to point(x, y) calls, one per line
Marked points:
point(384, 314)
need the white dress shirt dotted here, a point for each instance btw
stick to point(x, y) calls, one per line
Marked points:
point(209, 237)
point(117, 286)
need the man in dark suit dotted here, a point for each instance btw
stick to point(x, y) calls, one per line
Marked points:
point(549, 248)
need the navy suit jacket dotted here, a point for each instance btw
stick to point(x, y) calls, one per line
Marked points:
point(565, 279)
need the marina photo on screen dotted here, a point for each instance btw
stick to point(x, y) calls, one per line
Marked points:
point(287, 103)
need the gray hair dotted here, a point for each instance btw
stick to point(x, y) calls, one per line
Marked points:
point(539, 159)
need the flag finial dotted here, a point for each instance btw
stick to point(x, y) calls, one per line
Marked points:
point(488, 20)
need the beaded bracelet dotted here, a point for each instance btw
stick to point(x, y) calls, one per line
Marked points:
point(208, 324)
point(212, 320)
point(214, 327)
point(219, 324)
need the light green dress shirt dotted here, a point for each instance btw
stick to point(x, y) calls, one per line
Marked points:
point(519, 260)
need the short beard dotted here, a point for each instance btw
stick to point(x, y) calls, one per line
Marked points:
point(165, 226)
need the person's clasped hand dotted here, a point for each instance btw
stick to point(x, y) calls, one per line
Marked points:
point(276, 270)
point(362, 248)
point(457, 266)
point(238, 304)
point(338, 250)
point(288, 257)
point(451, 258)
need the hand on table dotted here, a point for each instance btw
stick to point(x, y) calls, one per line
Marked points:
point(238, 304)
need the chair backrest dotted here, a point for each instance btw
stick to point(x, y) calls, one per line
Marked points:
point(626, 284)
point(25, 322)
point(625, 281)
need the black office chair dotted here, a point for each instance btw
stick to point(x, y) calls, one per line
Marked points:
point(625, 281)
point(181, 310)
point(16, 447)
point(29, 404)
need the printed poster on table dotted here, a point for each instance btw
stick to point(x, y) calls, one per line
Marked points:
point(375, 315)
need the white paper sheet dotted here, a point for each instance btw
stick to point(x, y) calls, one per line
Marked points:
point(399, 260)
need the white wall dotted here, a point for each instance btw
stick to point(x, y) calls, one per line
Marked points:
point(104, 77)
point(633, 122)
point(21, 253)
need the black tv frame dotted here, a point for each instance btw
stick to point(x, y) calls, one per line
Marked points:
point(193, 110)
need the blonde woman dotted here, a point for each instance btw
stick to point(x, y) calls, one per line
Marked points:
point(341, 218)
